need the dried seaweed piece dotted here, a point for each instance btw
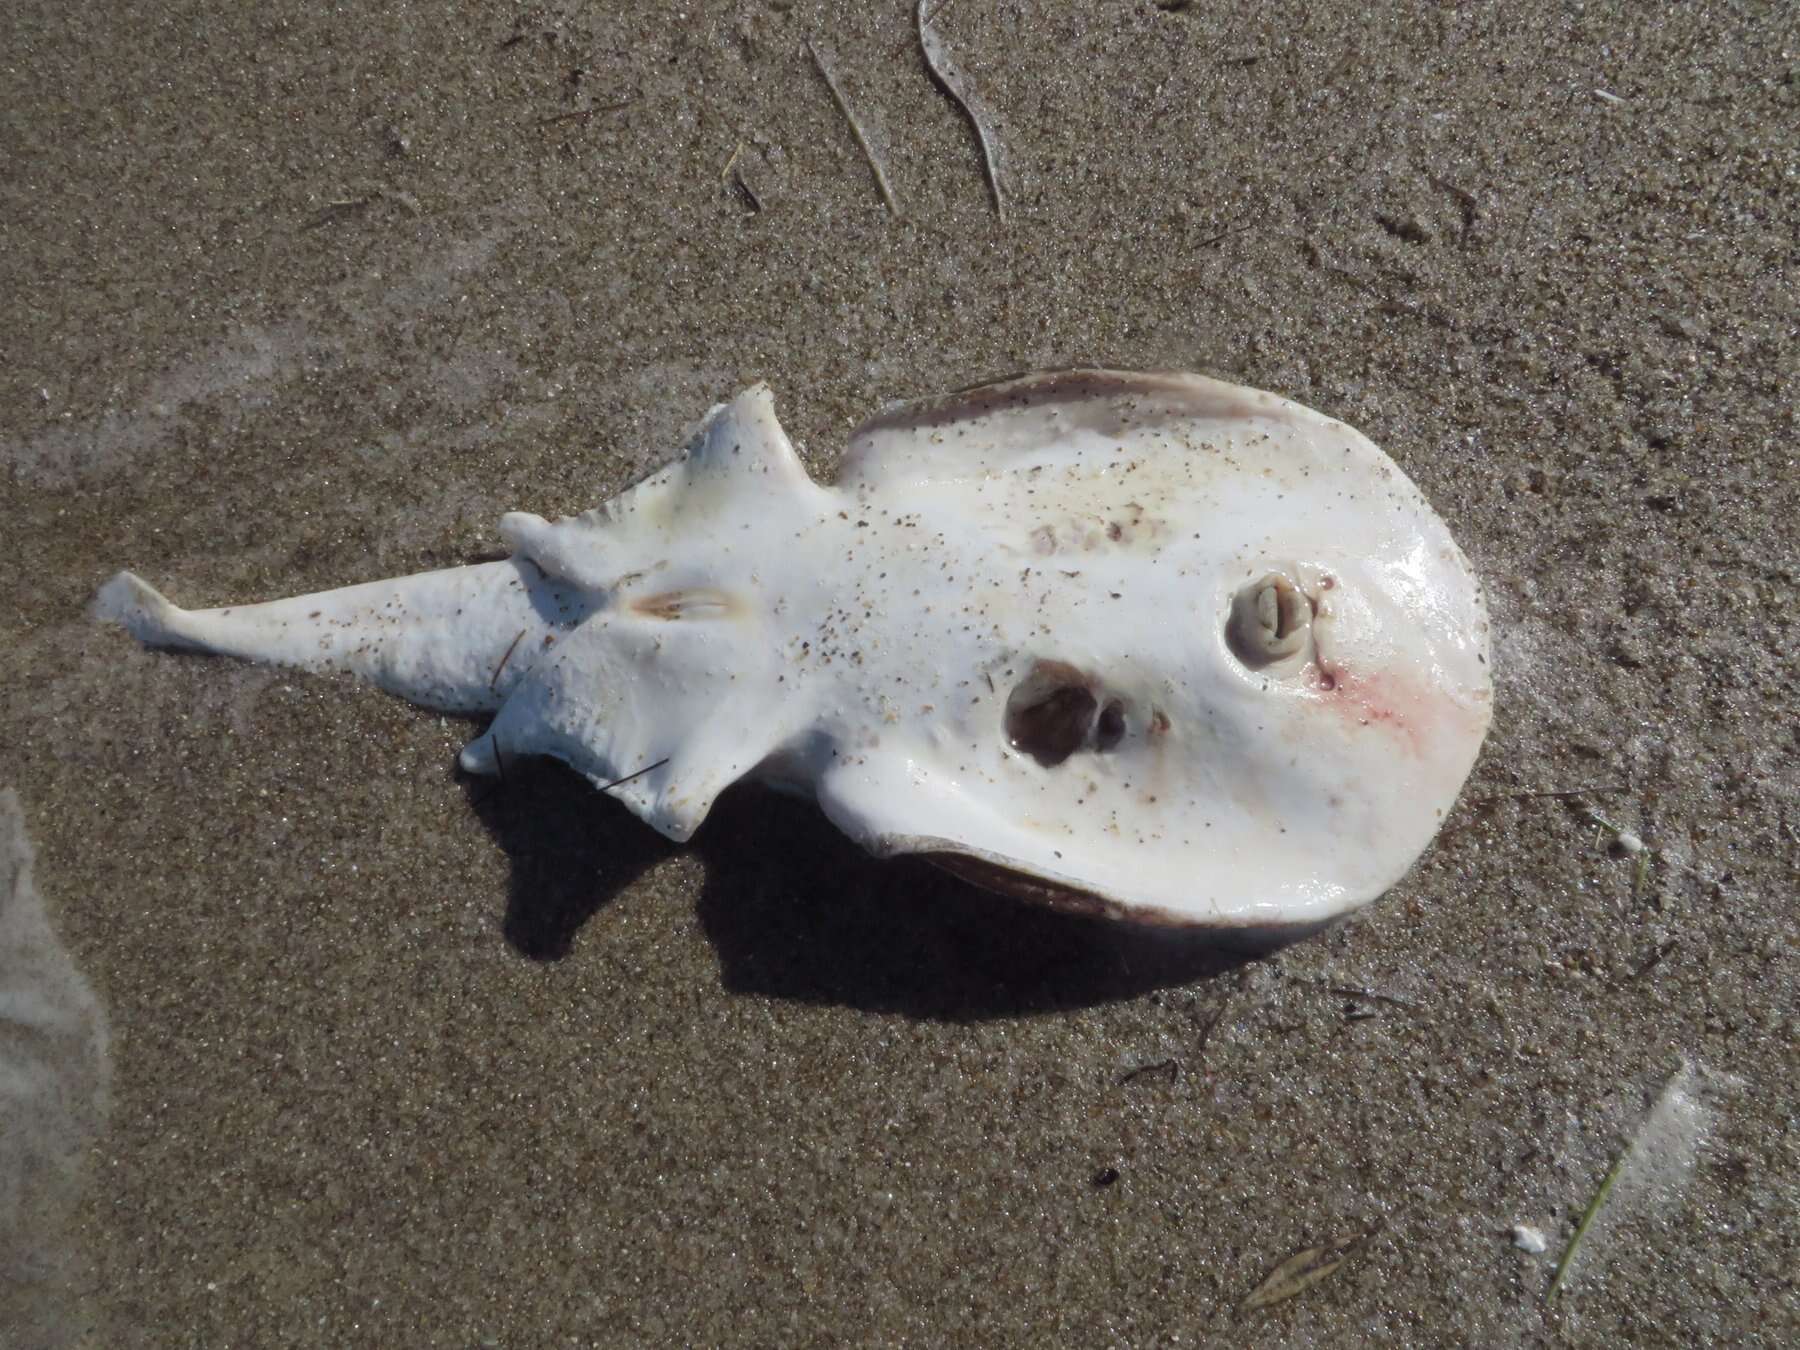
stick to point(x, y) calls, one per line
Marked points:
point(950, 79)
point(856, 130)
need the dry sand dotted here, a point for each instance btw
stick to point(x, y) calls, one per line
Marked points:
point(293, 295)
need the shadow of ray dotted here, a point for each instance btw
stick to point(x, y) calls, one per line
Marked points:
point(572, 850)
point(797, 911)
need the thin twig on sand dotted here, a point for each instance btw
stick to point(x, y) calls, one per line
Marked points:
point(582, 114)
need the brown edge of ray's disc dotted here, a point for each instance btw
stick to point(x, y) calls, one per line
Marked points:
point(1073, 900)
point(1187, 395)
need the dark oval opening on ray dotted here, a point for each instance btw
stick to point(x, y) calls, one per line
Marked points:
point(1049, 713)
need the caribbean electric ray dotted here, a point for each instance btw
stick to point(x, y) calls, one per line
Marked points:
point(1146, 645)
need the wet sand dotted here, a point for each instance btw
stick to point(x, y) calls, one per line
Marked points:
point(290, 299)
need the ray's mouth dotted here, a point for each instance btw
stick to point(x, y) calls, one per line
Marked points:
point(1270, 623)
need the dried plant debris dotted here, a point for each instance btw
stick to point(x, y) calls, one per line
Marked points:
point(1654, 1167)
point(582, 114)
point(856, 130)
point(1302, 1271)
point(1357, 993)
point(1167, 1069)
point(54, 1072)
point(733, 174)
point(951, 80)
point(343, 208)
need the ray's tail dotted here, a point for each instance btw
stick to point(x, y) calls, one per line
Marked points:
point(446, 640)
point(147, 614)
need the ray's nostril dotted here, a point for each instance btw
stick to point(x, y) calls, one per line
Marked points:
point(1049, 713)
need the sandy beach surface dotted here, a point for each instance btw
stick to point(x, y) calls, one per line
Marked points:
point(294, 295)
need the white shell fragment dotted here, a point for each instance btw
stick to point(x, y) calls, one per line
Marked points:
point(1147, 645)
point(1529, 1239)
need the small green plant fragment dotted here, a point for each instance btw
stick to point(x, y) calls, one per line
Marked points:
point(1654, 1166)
point(1587, 1220)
